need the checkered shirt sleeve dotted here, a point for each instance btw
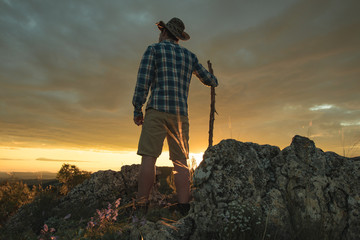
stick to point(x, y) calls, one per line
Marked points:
point(145, 76)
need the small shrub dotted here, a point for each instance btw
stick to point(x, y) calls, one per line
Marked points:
point(104, 221)
point(70, 176)
point(12, 197)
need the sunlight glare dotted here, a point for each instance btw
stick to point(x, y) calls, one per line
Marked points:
point(197, 156)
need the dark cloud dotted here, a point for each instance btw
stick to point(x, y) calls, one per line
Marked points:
point(68, 69)
point(11, 159)
point(271, 74)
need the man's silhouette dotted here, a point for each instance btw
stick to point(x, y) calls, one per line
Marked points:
point(165, 71)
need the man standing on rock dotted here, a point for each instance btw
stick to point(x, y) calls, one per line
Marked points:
point(166, 69)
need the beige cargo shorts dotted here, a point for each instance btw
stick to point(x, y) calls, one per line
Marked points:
point(158, 125)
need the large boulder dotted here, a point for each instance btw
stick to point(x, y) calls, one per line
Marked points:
point(100, 189)
point(259, 192)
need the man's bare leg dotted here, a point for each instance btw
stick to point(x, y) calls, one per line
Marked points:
point(182, 180)
point(146, 178)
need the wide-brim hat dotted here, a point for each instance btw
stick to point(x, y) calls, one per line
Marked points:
point(176, 27)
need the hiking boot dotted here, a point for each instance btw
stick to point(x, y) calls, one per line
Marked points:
point(139, 212)
point(182, 208)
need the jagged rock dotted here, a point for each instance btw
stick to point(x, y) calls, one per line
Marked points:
point(231, 186)
point(260, 191)
point(104, 187)
point(81, 202)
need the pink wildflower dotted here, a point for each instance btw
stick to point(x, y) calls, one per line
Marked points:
point(90, 224)
point(117, 203)
point(101, 214)
point(115, 215)
point(108, 211)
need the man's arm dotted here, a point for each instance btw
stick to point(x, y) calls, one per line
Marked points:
point(205, 77)
point(144, 78)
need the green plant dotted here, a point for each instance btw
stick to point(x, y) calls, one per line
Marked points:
point(27, 221)
point(104, 222)
point(70, 176)
point(12, 196)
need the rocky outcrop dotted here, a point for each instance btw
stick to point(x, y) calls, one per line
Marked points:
point(251, 191)
point(299, 192)
point(103, 187)
point(241, 191)
point(81, 202)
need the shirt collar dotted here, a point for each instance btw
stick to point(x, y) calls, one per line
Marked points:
point(169, 41)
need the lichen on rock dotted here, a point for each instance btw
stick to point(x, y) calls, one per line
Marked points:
point(300, 190)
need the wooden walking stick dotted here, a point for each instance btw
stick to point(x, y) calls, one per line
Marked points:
point(212, 108)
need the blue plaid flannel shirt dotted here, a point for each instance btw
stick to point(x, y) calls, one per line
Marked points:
point(166, 69)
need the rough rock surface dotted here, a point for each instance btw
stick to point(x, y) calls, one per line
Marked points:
point(81, 202)
point(251, 191)
point(299, 192)
point(103, 187)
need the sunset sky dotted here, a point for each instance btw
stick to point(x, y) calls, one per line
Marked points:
point(68, 71)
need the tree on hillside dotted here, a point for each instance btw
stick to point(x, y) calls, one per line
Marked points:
point(70, 176)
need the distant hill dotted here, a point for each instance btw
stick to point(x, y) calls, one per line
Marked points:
point(27, 175)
